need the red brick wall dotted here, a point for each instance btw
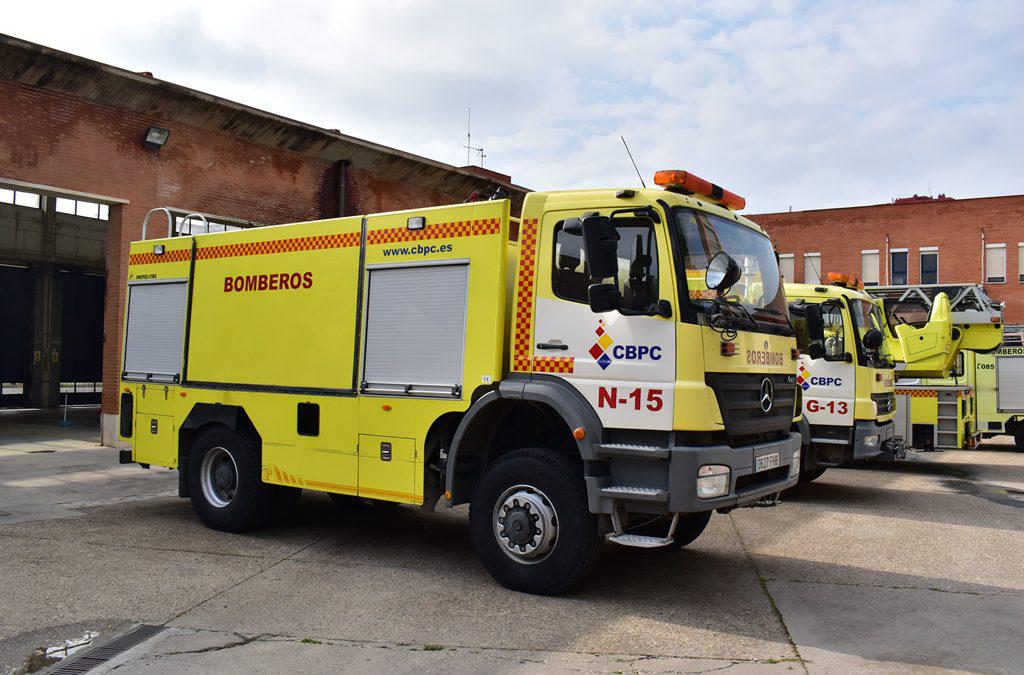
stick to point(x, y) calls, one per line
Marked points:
point(953, 226)
point(61, 141)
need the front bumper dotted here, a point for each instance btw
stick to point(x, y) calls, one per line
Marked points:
point(745, 486)
point(864, 429)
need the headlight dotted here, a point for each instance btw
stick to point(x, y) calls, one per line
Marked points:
point(712, 481)
point(871, 441)
point(794, 468)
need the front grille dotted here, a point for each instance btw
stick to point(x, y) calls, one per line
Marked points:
point(739, 399)
point(886, 403)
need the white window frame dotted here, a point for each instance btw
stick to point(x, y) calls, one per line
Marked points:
point(812, 255)
point(792, 263)
point(989, 279)
point(1020, 262)
point(878, 266)
point(922, 251)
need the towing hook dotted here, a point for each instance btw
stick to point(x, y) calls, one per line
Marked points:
point(773, 499)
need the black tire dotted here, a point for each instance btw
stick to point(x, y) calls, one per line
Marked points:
point(691, 526)
point(1018, 437)
point(247, 502)
point(574, 540)
point(810, 475)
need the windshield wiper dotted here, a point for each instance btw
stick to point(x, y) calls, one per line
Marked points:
point(746, 320)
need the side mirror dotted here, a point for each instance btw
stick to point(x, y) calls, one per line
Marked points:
point(722, 273)
point(816, 350)
point(601, 242)
point(603, 297)
point(873, 339)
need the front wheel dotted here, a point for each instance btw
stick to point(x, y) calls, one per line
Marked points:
point(809, 475)
point(530, 523)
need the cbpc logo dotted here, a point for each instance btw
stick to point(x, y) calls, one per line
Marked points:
point(605, 350)
point(805, 380)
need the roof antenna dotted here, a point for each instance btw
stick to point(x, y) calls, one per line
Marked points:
point(469, 140)
point(634, 162)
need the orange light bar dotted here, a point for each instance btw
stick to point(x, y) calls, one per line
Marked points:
point(685, 180)
point(845, 280)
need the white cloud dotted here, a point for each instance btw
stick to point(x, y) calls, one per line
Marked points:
point(788, 103)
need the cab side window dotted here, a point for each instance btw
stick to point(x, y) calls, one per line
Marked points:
point(637, 277)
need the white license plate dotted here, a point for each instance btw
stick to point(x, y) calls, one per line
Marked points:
point(765, 462)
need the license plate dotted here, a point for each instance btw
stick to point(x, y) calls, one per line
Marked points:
point(765, 462)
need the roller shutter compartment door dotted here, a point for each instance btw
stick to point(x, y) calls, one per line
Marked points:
point(1010, 374)
point(415, 330)
point(156, 329)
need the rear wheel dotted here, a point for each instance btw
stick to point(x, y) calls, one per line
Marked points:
point(225, 486)
point(1018, 437)
point(530, 523)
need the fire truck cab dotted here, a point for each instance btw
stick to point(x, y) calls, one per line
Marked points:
point(845, 374)
point(614, 365)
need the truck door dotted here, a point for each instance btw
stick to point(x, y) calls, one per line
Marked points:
point(827, 371)
point(623, 365)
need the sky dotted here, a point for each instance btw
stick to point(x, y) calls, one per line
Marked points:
point(791, 104)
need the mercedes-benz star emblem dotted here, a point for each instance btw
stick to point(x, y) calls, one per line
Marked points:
point(767, 395)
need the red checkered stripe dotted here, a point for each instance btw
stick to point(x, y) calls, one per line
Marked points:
point(522, 337)
point(270, 247)
point(553, 364)
point(179, 255)
point(460, 228)
point(918, 393)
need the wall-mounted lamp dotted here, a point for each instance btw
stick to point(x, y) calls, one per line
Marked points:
point(156, 138)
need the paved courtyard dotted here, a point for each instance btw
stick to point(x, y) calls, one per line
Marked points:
point(916, 566)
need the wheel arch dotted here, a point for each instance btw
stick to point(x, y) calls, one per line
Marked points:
point(202, 416)
point(555, 406)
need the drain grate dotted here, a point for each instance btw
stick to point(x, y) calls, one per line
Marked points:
point(99, 655)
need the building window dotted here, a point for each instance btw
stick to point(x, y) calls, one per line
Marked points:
point(19, 198)
point(995, 263)
point(786, 267)
point(1020, 261)
point(930, 265)
point(79, 207)
point(812, 268)
point(898, 267)
point(869, 267)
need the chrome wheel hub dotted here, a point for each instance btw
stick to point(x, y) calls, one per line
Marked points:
point(525, 524)
point(218, 476)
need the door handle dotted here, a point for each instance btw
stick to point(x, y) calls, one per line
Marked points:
point(552, 345)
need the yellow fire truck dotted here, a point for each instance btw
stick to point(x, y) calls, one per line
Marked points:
point(932, 329)
point(615, 362)
point(991, 388)
point(845, 375)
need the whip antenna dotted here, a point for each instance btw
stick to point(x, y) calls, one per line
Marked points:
point(634, 162)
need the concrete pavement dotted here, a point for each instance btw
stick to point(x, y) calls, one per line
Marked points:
point(911, 567)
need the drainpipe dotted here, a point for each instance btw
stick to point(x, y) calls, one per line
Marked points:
point(983, 261)
point(342, 168)
point(888, 277)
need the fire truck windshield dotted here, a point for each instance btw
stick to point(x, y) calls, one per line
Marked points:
point(759, 288)
point(866, 315)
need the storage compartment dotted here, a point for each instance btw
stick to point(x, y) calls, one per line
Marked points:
point(387, 468)
point(156, 329)
point(155, 440)
point(415, 330)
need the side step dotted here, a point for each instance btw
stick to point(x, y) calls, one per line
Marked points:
point(640, 541)
point(633, 450)
point(635, 493)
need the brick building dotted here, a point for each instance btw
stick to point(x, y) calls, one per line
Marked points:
point(76, 181)
point(916, 240)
